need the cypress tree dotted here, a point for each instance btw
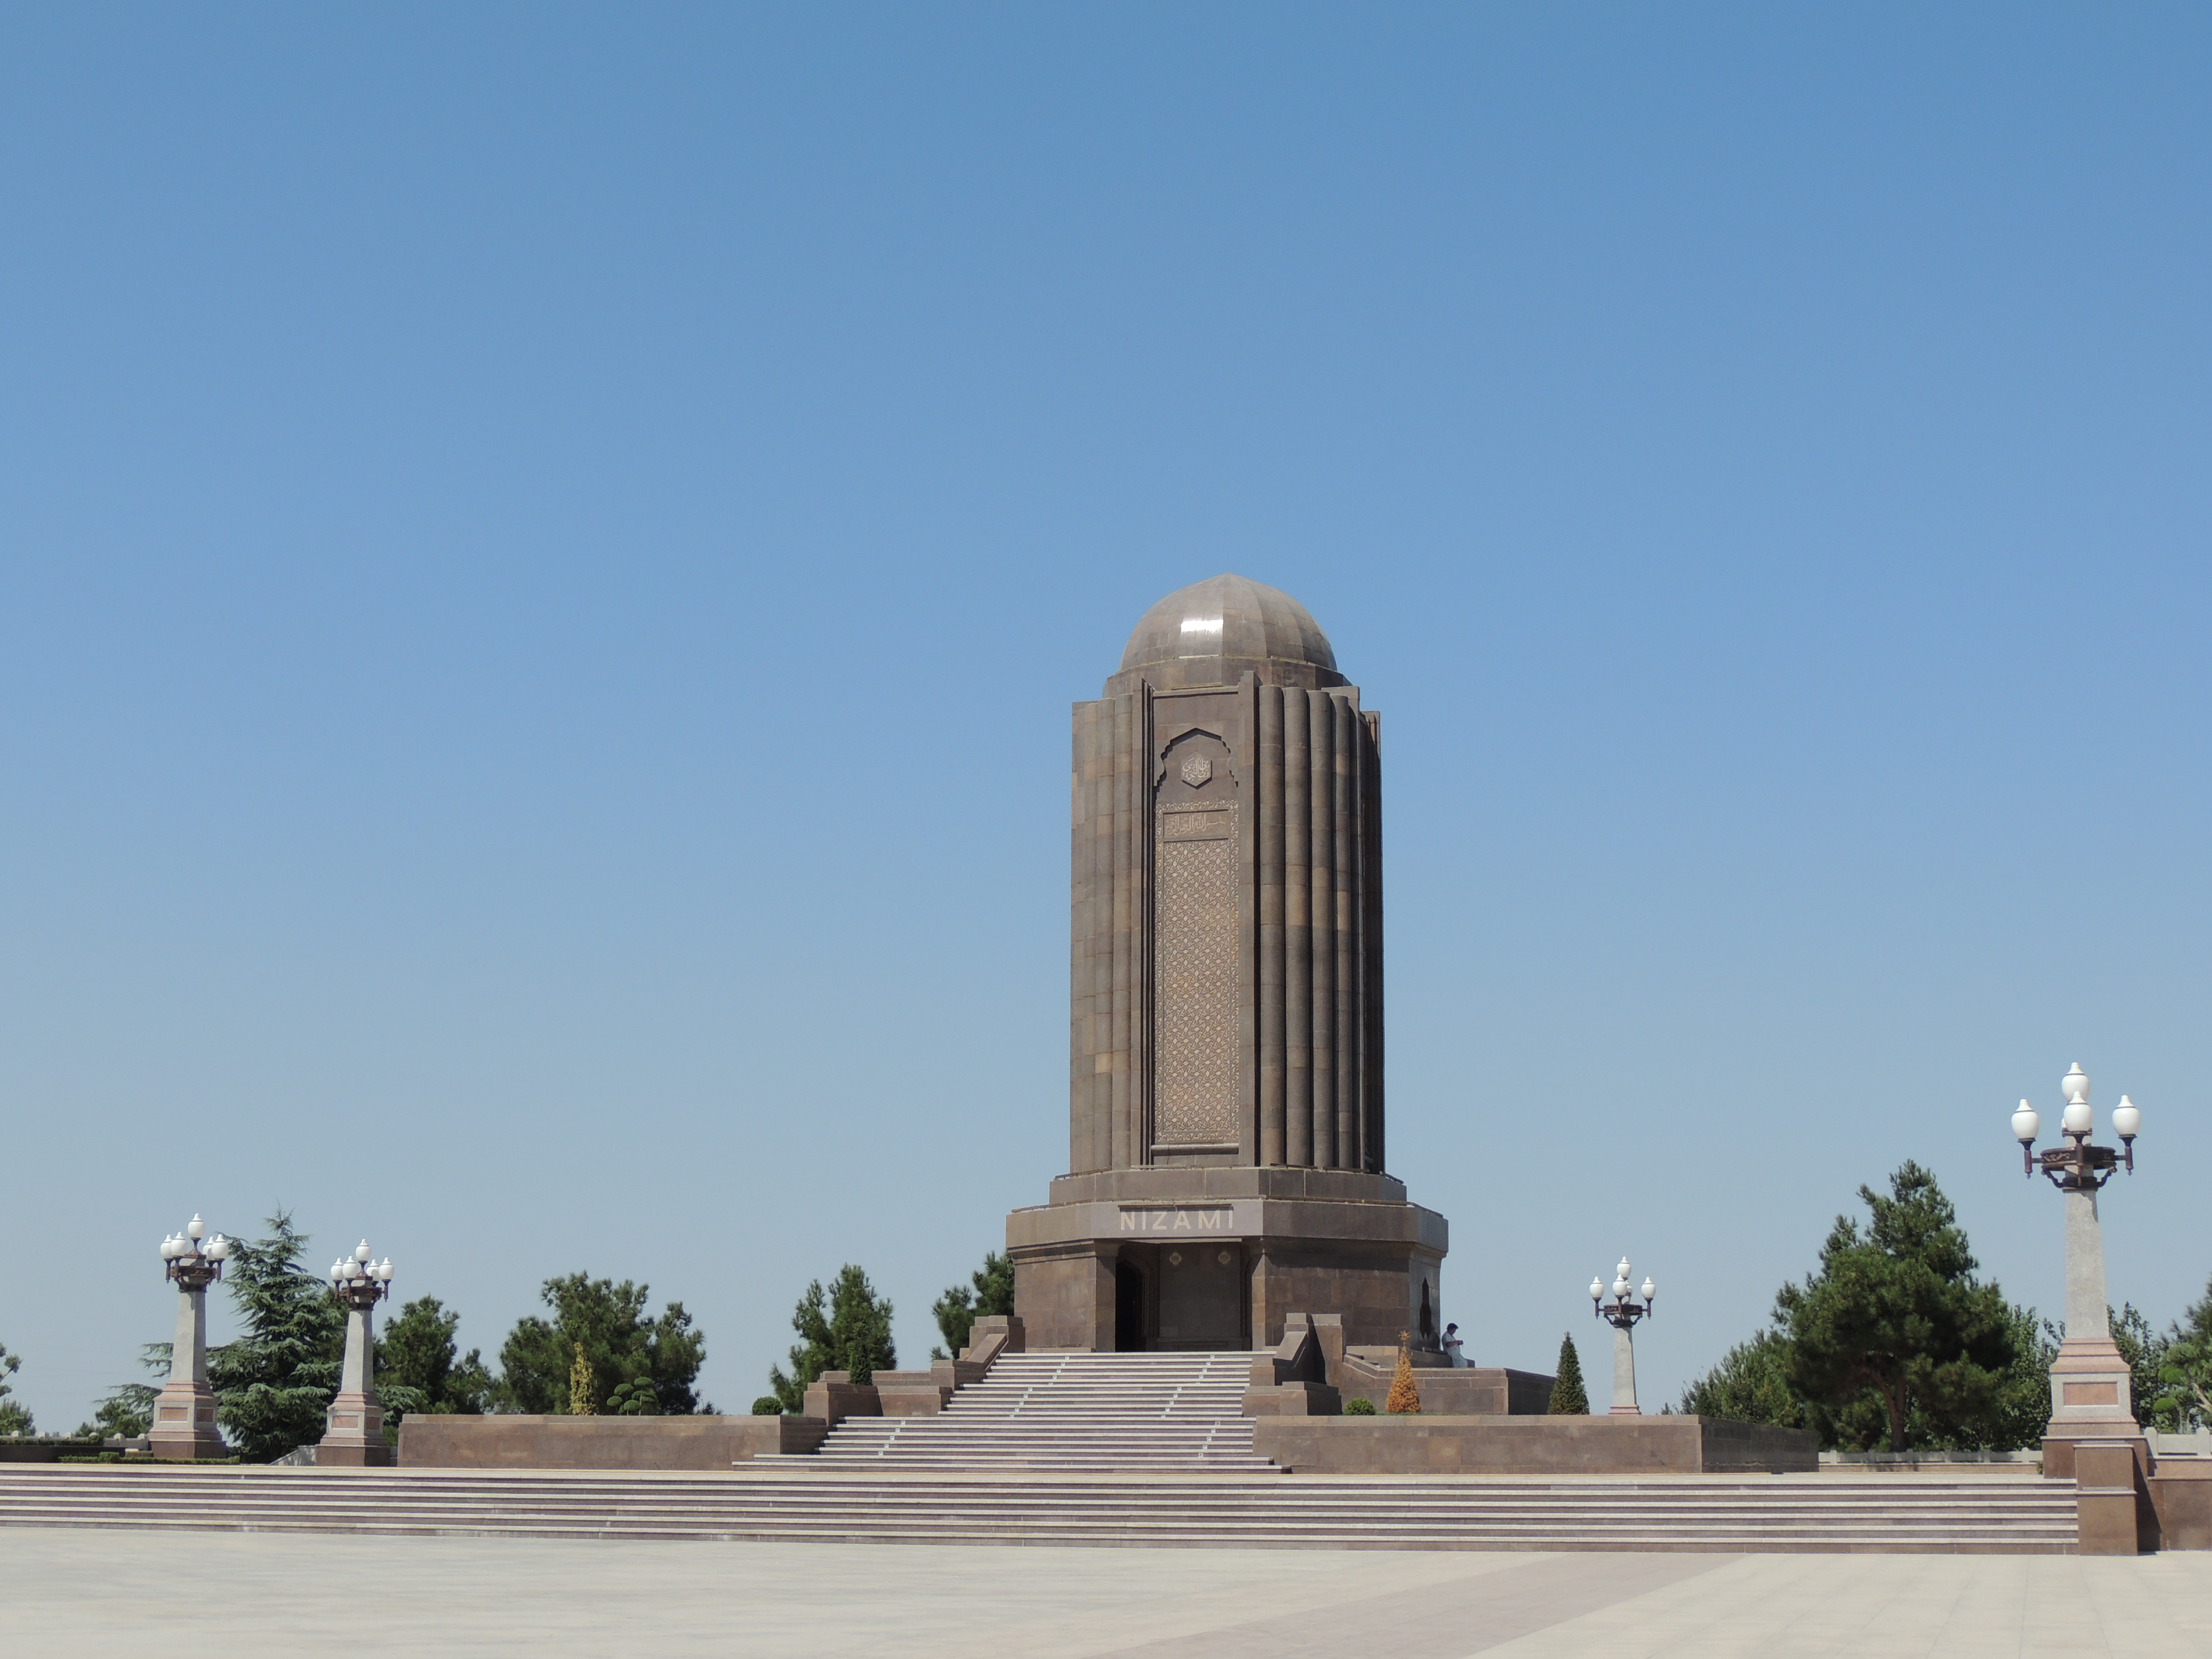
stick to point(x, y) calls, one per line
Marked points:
point(1405, 1399)
point(581, 1400)
point(1568, 1397)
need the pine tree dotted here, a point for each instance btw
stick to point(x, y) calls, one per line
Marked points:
point(640, 1367)
point(1405, 1399)
point(273, 1385)
point(1896, 1317)
point(1568, 1397)
point(419, 1368)
point(581, 1401)
point(2184, 1371)
point(849, 1330)
point(959, 1308)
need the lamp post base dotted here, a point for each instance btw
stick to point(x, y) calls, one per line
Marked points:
point(184, 1423)
point(355, 1437)
point(2089, 1400)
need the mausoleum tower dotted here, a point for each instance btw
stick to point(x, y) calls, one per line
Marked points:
point(1226, 985)
point(1225, 1114)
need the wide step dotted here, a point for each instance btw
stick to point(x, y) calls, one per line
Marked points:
point(1824, 1512)
point(1071, 1413)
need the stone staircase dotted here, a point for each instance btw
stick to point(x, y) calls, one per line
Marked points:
point(1070, 1413)
point(1826, 1512)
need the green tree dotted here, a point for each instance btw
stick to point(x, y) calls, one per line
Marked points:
point(127, 1409)
point(273, 1385)
point(640, 1367)
point(13, 1418)
point(1750, 1385)
point(2144, 1350)
point(2184, 1371)
point(1897, 1313)
point(419, 1369)
point(1568, 1398)
point(849, 1330)
point(583, 1388)
point(2021, 1410)
point(961, 1306)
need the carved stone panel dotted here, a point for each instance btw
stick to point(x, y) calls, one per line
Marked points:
point(1194, 975)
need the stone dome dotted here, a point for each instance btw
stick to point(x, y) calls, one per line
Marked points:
point(1212, 632)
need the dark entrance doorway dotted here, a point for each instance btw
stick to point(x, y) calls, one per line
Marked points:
point(1128, 1308)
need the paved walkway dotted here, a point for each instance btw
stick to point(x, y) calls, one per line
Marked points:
point(95, 1592)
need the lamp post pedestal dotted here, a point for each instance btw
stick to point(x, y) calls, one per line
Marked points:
point(184, 1426)
point(1621, 1313)
point(2091, 1385)
point(183, 1411)
point(352, 1438)
point(2090, 1382)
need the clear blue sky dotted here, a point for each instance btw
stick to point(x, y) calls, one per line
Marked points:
point(544, 555)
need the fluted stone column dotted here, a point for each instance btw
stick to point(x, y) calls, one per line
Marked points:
point(1297, 934)
point(1345, 904)
point(1320, 841)
point(1274, 1133)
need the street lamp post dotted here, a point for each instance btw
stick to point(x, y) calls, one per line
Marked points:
point(355, 1435)
point(1622, 1313)
point(2089, 1381)
point(183, 1411)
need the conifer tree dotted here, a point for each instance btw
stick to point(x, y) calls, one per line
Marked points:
point(1405, 1399)
point(420, 1369)
point(847, 1330)
point(273, 1385)
point(640, 1366)
point(14, 1419)
point(2184, 1371)
point(1568, 1397)
point(581, 1401)
point(959, 1308)
point(1896, 1313)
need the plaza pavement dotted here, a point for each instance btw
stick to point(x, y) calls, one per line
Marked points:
point(93, 1592)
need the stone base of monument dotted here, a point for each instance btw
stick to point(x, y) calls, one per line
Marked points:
point(521, 1441)
point(1186, 1256)
point(1426, 1445)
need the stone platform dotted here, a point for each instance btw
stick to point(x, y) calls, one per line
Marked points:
point(1189, 1257)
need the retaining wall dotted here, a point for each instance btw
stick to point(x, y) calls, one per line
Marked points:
point(1426, 1445)
point(521, 1441)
